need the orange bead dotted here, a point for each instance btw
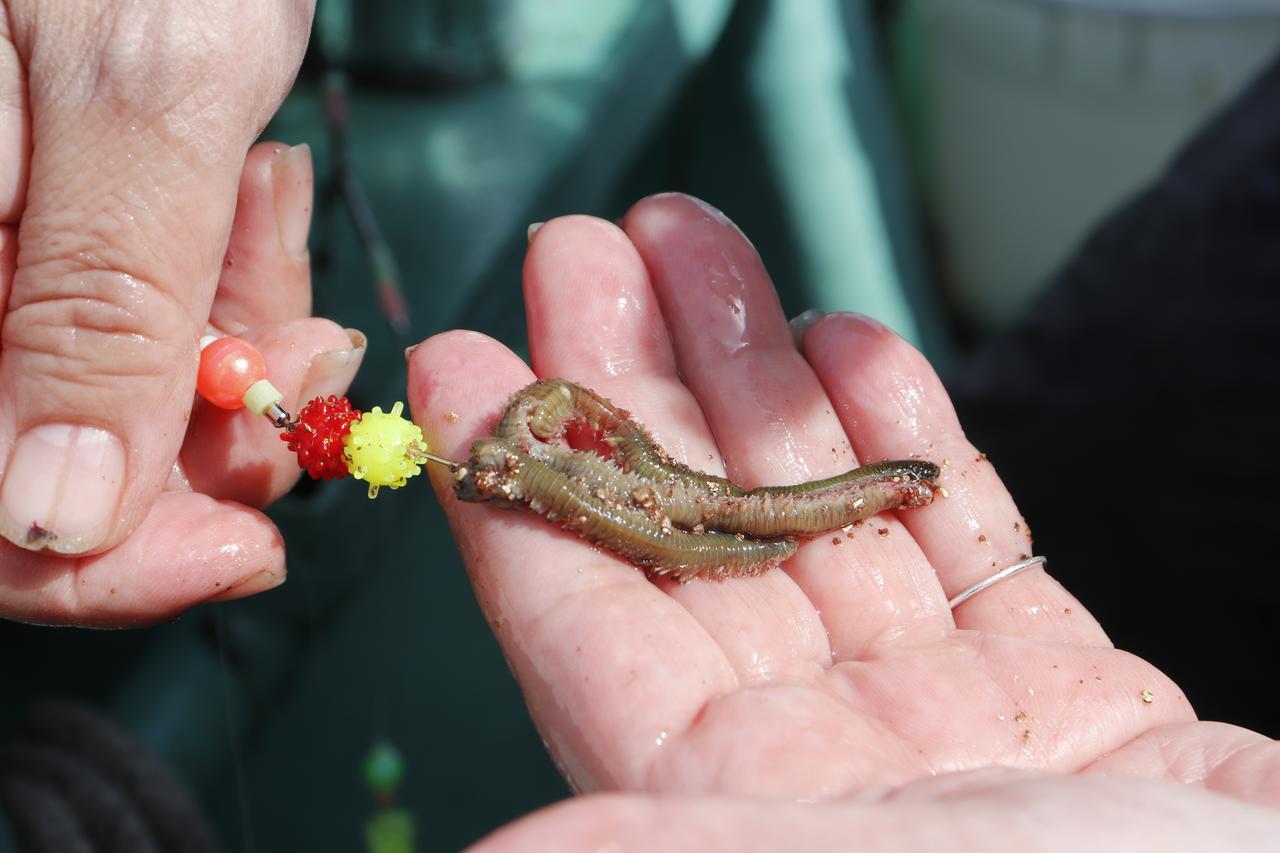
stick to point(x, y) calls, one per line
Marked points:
point(228, 366)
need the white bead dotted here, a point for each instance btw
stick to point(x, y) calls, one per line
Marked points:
point(261, 396)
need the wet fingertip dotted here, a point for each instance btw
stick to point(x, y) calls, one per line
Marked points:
point(860, 323)
point(713, 212)
point(455, 352)
point(845, 329)
point(675, 203)
point(654, 222)
point(255, 583)
point(331, 372)
point(655, 205)
point(192, 549)
point(679, 198)
point(567, 233)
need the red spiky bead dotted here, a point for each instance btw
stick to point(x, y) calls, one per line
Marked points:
point(317, 437)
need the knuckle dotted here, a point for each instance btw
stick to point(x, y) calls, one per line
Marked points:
point(94, 329)
point(195, 57)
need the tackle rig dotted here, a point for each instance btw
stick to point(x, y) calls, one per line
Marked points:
point(329, 437)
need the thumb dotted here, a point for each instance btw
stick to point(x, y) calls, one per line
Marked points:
point(137, 142)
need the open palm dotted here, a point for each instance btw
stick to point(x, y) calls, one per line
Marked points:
point(846, 668)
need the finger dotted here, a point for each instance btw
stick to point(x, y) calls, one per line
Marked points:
point(8, 260)
point(980, 810)
point(15, 129)
point(893, 404)
point(1231, 760)
point(264, 289)
point(232, 455)
point(189, 549)
point(773, 422)
point(266, 274)
point(609, 665)
point(137, 151)
point(594, 319)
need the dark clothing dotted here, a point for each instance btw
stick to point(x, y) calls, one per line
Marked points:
point(1128, 415)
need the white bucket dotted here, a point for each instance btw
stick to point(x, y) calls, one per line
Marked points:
point(1045, 114)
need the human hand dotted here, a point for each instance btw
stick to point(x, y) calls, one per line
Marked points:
point(846, 669)
point(988, 810)
point(124, 129)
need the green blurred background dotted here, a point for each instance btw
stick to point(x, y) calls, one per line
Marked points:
point(873, 152)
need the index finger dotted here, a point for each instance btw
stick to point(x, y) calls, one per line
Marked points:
point(608, 663)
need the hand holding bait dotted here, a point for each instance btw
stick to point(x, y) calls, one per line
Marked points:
point(655, 512)
point(633, 499)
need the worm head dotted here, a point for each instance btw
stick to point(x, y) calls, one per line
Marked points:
point(915, 481)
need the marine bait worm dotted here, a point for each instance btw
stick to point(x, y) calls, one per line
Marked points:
point(661, 515)
point(543, 411)
point(501, 472)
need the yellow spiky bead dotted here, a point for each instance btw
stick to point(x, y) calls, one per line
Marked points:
point(379, 447)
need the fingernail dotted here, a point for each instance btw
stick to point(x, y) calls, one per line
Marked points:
point(291, 184)
point(252, 585)
point(848, 324)
point(800, 324)
point(711, 210)
point(61, 488)
point(332, 372)
point(533, 229)
point(408, 351)
point(867, 324)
